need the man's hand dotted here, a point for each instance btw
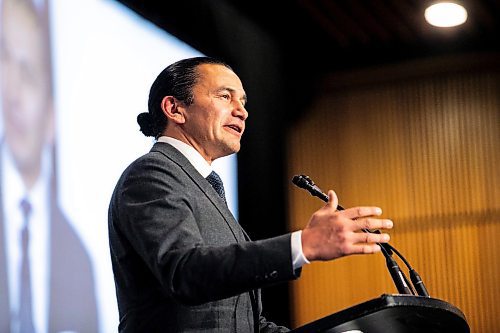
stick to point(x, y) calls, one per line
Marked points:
point(333, 234)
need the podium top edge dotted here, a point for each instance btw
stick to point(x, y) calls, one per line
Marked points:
point(389, 300)
point(396, 305)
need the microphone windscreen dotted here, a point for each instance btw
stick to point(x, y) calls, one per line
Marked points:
point(300, 181)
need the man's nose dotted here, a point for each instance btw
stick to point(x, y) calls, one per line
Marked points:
point(240, 111)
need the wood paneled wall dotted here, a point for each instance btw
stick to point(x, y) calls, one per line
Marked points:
point(426, 149)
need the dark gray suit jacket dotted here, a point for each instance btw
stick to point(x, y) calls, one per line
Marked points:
point(181, 261)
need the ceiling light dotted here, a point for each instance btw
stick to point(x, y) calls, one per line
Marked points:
point(445, 14)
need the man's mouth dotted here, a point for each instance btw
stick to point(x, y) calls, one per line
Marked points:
point(236, 128)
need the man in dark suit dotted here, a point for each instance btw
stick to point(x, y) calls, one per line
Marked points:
point(181, 261)
point(71, 297)
point(46, 279)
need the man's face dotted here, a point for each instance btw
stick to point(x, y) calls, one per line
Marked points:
point(215, 121)
point(24, 84)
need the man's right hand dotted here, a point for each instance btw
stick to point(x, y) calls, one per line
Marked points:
point(332, 234)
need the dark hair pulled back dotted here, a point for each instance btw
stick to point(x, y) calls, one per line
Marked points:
point(176, 80)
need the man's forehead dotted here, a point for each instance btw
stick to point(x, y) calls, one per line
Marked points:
point(24, 40)
point(218, 76)
point(19, 21)
point(20, 13)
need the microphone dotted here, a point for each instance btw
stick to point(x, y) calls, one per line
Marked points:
point(398, 277)
point(306, 183)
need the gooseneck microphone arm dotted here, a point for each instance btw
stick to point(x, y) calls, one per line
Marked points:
point(399, 278)
point(306, 183)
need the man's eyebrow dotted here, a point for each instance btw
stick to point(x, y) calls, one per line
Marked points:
point(232, 91)
point(244, 98)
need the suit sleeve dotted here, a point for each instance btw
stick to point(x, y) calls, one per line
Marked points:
point(156, 215)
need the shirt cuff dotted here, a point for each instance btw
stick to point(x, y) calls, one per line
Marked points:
point(298, 258)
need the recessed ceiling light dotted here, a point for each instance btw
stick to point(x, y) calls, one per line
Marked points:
point(446, 14)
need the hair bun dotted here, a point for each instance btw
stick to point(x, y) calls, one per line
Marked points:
point(146, 124)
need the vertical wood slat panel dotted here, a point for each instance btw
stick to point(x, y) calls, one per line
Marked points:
point(427, 151)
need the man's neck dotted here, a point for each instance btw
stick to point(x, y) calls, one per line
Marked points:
point(189, 141)
point(193, 156)
point(30, 175)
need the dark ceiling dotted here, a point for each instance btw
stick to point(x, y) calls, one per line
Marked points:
point(363, 31)
point(333, 34)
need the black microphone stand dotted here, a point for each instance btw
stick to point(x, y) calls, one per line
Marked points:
point(400, 280)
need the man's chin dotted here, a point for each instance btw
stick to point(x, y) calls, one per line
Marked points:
point(229, 150)
point(236, 148)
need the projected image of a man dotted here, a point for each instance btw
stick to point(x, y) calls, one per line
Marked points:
point(46, 281)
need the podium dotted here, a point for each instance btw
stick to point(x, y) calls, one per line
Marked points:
point(393, 314)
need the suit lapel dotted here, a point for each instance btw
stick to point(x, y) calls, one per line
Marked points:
point(174, 155)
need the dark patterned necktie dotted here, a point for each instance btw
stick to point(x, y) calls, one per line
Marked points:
point(25, 309)
point(214, 180)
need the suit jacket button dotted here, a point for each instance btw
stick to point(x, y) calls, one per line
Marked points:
point(273, 275)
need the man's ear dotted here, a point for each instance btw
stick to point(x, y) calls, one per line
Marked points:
point(173, 109)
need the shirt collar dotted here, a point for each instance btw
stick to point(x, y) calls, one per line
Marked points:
point(193, 156)
point(12, 181)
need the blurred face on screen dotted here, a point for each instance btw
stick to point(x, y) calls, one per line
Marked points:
point(215, 121)
point(25, 86)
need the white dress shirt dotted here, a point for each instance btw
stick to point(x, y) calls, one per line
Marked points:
point(14, 190)
point(202, 166)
